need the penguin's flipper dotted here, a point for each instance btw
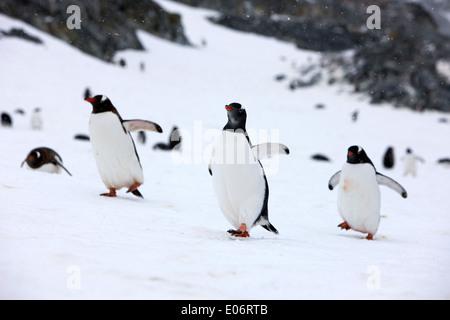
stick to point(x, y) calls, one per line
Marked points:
point(268, 149)
point(334, 180)
point(56, 162)
point(209, 168)
point(138, 125)
point(391, 183)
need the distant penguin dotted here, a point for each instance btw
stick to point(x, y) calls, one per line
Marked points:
point(81, 136)
point(173, 143)
point(411, 161)
point(6, 120)
point(444, 161)
point(320, 157)
point(388, 158)
point(355, 115)
point(142, 137)
point(239, 181)
point(87, 93)
point(359, 193)
point(114, 150)
point(44, 159)
point(20, 111)
point(36, 119)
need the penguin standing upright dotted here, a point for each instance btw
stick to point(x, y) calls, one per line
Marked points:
point(239, 181)
point(411, 162)
point(114, 150)
point(359, 193)
point(44, 159)
point(6, 119)
point(36, 119)
point(388, 158)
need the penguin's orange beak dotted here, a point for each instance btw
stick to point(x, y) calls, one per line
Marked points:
point(89, 100)
point(351, 153)
point(228, 108)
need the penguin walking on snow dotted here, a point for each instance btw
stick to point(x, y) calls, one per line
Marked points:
point(411, 161)
point(359, 193)
point(239, 181)
point(44, 159)
point(114, 150)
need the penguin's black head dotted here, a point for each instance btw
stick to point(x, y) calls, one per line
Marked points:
point(356, 154)
point(100, 103)
point(33, 158)
point(237, 116)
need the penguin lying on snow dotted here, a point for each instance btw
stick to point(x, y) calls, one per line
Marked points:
point(173, 144)
point(44, 159)
point(238, 177)
point(359, 193)
point(114, 150)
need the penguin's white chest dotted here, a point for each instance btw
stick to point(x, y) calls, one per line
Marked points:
point(114, 151)
point(359, 197)
point(238, 179)
point(48, 167)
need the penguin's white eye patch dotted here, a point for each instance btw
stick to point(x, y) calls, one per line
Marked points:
point(103, 99)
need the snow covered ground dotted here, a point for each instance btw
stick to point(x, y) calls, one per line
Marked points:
point(60, 240)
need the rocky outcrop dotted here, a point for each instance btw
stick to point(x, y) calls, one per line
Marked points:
point(106, 26)
point(400, 63)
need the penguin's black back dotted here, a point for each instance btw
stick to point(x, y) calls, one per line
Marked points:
point(388, 159)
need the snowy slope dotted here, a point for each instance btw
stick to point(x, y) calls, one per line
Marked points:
point(60, 240)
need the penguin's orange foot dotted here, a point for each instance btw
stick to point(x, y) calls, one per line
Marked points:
point(344, 225)
point(241, 232)
point(369, 236)
point(112, 193)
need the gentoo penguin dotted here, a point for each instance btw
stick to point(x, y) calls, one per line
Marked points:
point(320, 157)
point(44, 159)
point(36, 119)
point(114, 150)
point(388, 158)
point(239, 181)
point(174, 141)
point(410, 162)
point(6, 120)
point(359, 193)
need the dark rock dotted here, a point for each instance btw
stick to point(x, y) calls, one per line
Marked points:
point(394, 64)
point(280, 77)
point(20, 33)
point(106, 26)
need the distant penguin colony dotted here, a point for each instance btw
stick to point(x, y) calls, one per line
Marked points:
point(114, 150)
point(44, 159)
point(239, 181)
point(359, 193)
